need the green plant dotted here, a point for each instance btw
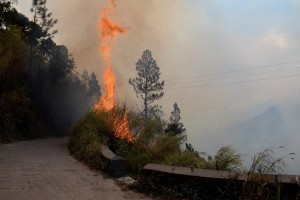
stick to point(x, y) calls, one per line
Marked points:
point(17, 119)
point(147, 85)
point(151, 145)
point(258, 183)
point(85, 141)
point(227, 158)
point(175, 127)
point(185, 158)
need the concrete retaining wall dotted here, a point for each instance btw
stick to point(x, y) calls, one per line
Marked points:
point(116, 165)
point(212, 184)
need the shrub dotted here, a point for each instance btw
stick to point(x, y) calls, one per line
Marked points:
point(85, 141)
point(185, 158)
point(227, 159)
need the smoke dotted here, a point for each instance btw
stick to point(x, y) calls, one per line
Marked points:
point(191, 38)
point(161, 26)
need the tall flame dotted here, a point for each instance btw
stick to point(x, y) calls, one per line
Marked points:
point(108, 32)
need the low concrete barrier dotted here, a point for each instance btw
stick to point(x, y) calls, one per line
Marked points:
point(218, 174)
point(116, 165)
point(212, 184)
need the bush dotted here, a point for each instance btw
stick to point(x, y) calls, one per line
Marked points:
point(85, 141)
point(185, 158)
point(227, 159)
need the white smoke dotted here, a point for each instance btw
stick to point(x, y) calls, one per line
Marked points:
point(189, 38)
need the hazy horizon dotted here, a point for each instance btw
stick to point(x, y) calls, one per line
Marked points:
point(224, 63)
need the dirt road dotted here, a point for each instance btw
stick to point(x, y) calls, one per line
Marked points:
point(44, 170)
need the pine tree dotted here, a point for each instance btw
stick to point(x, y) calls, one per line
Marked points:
point(175, 126)
point(43, 18)
point(40, 28)
point(94, 88)
point(147, 85)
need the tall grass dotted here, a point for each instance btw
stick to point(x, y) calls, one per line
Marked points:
point(259, 182)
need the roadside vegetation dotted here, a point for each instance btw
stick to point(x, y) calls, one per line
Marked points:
point(165, 142)
point(153, 144)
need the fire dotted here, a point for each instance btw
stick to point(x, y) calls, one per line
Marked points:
point(107, 102)
point(122, 129)
point(108, 32)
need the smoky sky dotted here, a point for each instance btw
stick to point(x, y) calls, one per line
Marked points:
point(213, 56)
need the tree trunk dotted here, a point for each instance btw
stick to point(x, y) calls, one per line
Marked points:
point(145, 106)
point(30, 59)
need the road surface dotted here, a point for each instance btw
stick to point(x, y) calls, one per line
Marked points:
point(44, 170)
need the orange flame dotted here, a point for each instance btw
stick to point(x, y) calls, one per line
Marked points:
point(122, 129)
point(108, 32)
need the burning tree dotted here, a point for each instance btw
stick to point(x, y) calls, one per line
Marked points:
point(175, 126)
point(147, 84)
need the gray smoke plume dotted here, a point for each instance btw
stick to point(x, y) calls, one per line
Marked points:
point(191, 40)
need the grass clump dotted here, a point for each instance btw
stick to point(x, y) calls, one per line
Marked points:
point(259, 182)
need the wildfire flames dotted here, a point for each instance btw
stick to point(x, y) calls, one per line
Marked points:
point(108, 32)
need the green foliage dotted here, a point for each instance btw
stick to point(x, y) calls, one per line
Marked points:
point(258, 183)
point(147, 85)
point(8, 15)
point(94, 130)
point(151, 145)
point(37, 85)
point(94, 88)
point(85, 142)
point(43, 18)
point(185, 158)
point(16, 119)
point(146, 148)
point(227, 159)
point(175, 127)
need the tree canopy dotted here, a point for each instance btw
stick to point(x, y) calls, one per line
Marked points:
point(147, 84)
point(47, 98)
point(175, 126)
